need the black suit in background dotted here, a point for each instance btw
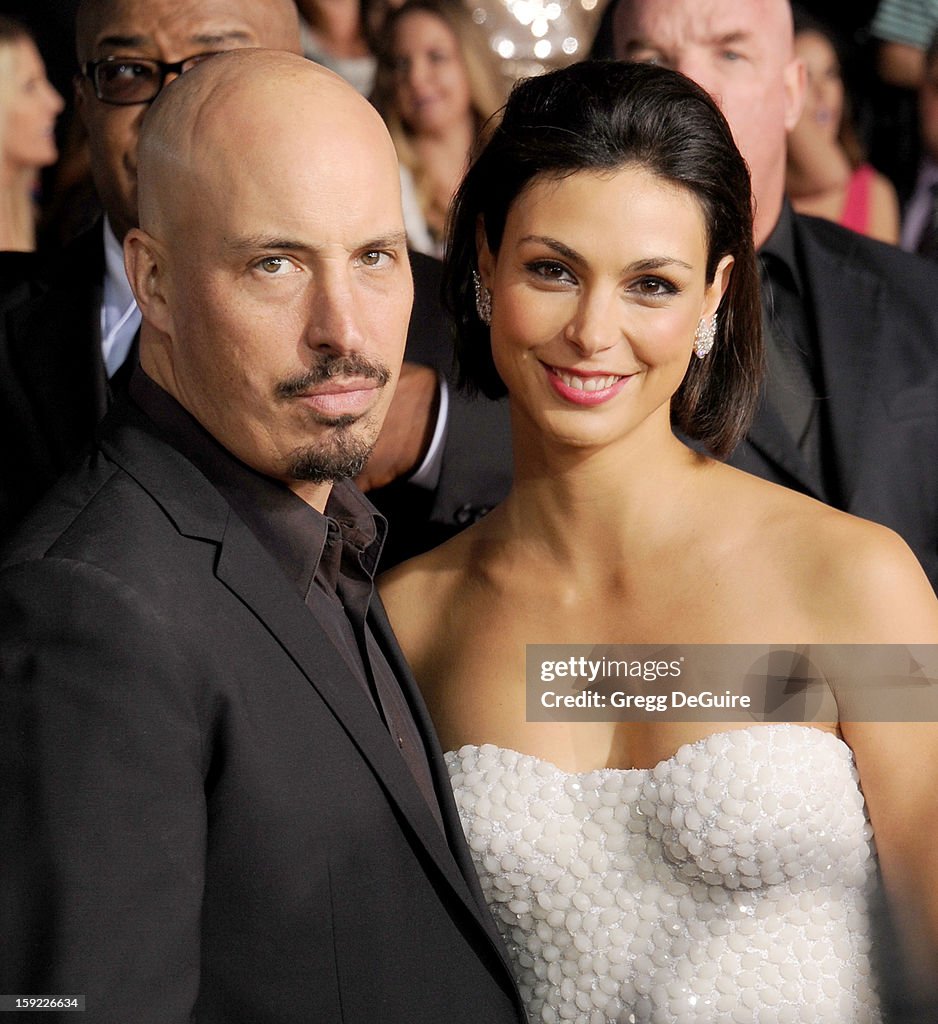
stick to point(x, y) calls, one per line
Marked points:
point(205, 818)
point(874, 311)
point(476, 467)
point(54, 391)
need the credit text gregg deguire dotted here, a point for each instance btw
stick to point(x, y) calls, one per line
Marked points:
point(732, 682)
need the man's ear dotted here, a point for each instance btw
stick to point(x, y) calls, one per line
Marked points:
point(484, 257)
point(145, 264)
point(796, 85)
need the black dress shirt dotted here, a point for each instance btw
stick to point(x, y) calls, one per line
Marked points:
point(329, 558)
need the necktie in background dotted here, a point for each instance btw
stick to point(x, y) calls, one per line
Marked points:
point(791, 387)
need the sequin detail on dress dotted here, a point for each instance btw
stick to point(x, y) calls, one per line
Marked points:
point(726, 884)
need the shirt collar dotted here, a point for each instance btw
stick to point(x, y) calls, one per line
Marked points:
point(291, 530)
point(779, 254)
point(927, 176)
point(116, 285)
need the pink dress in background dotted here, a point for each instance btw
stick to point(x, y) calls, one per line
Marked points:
point(856, 211)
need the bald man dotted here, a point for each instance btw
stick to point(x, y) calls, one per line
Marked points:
point(850, 409)
point(222, 799)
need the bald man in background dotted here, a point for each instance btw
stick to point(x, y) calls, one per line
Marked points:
point(222, 798)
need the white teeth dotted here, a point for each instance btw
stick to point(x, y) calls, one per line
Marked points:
point(587, 383)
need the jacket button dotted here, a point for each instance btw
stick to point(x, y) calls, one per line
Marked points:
point(468, 513)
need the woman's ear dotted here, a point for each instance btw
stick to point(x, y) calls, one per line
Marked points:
point(717, 287)
point(484, 258)
point(145, 266)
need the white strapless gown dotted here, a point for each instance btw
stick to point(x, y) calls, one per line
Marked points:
point(726, 884)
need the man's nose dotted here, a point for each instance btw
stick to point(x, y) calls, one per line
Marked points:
point(696, 68)
point(333, 314)
point(55, 99)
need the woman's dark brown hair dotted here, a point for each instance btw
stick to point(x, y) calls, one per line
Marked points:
point(601, 116)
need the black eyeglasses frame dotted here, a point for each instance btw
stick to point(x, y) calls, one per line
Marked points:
point(90, 70)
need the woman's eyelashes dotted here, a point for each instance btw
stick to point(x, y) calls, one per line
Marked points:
point(552, 271)
point(646, 286)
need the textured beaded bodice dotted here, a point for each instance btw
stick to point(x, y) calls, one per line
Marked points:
point(727, 883)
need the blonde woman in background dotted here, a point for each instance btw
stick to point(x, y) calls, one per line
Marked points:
point(436, 86)
point(29, 106)
point(828, 175)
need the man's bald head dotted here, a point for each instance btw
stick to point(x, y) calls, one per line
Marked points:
point(245, 107)
point(741, 52)
point(271, 262)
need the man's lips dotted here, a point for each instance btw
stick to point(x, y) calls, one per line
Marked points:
point(341, 397)
point(585, 388)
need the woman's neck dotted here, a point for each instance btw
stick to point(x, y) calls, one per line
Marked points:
point(452, 143)
point(17, 216)
point(596, 505)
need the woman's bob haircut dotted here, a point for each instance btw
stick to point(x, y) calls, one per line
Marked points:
point(600, 116)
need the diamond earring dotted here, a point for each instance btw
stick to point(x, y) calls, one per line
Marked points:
point(483, 299)
point(705, 335)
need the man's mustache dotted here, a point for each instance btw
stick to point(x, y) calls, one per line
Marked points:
point(328, 368)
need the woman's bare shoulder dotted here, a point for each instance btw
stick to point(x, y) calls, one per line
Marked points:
point(422, 591)
point(858, 577)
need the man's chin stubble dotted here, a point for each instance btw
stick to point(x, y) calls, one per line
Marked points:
point(342, 456)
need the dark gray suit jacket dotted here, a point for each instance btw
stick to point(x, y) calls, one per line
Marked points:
point(204, 818)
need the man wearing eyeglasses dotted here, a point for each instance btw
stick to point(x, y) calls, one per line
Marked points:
point(129, 49)
point(65, 355)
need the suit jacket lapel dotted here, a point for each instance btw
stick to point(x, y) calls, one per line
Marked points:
point(846, 364)
point(198, 510)
point(847, 361)
point(441, 779)
point(769, 435)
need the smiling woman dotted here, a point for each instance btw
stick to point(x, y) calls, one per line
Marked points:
point(29, 106)
point(680, 199)
point(602, 276)
point(827, 172)
point(436, 85)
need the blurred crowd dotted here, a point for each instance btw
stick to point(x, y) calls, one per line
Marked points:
point(865, 153)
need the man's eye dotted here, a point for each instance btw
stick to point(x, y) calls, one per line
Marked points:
point(126, 71)
point(375, 258)
point(275, 265)
point(647, 56)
